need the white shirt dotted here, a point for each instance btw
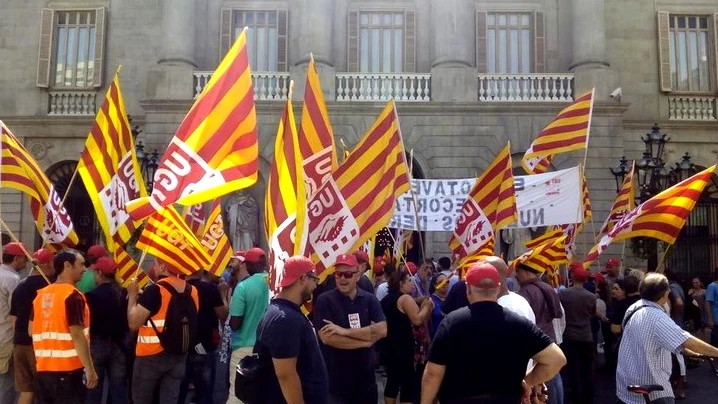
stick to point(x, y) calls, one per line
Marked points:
point(8, 282)
point(518, 304)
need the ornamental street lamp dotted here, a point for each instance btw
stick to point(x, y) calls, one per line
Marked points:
point(148, 164)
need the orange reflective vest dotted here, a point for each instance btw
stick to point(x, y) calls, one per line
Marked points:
point(51, 339)
point(148, 343)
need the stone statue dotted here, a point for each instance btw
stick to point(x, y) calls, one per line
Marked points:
point(241, 214)
point(514, 240)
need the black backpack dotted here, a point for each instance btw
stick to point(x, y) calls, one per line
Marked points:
point(180, 330)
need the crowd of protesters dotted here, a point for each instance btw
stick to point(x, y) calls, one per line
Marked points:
point(72, 334)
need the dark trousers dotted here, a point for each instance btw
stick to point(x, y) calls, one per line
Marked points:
point(714, 336)
point(362, 391)
point(162, 372)
point(109, 360)
point(60, 387)
point(201, 371)
point(579, 357)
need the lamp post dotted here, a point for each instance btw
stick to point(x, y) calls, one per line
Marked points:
point(653, 177)
point(148, 164)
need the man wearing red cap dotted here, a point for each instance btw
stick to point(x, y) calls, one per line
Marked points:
point(364, 266)
point(486, 333)
point(580, 307)
point(611, 271)
point(22, 298)
point(108, 332)
point(13, 261)
point(87, 283)
point(349, 321)
point(249, 302)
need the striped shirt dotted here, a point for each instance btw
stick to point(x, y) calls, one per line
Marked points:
point(644, 357)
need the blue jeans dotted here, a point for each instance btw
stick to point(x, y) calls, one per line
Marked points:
point(555, 390)
point(221, 383)
point(7, 385)
point(109, 360)
point(201, 372)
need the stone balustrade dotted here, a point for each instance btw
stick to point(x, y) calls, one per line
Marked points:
point(72, 102)
point(383, 86)
point(526, 87)
point(691, 108)
point(267, 85)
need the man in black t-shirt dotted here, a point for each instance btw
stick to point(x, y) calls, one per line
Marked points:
point(481, 351)
point(20, 309)
point(201, 361)
point(286, 341)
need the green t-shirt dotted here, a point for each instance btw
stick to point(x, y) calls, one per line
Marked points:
point(87, 283)
point(249, 300)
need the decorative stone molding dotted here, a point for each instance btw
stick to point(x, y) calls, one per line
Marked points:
point(39, 150)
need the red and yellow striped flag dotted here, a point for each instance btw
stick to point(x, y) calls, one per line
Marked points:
point(316, 138)
point(586, 200)
point(487, 250)
point(624, 203)
point(568, 131)
point(285, 204)
point(490, 206)
point(545, 257)
point(167, 237)
point(359, 197)
point(20, 171)
point(127, 268)
point(661, 217)
point(109, 169)
point(196, 218)
point(215, 149)
point(215, 240)
point(550, 234)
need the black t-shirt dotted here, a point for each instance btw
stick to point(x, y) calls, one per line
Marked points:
point(350, 370)
point(21, 306)
point(621, 307)
point(108, 312)
point(456, 298)
point(283, 333)
point(485, 349)
point(207, 321)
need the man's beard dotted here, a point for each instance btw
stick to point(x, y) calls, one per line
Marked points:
point(306, 295)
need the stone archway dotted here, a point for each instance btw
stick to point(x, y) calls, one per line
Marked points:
point(78, 202)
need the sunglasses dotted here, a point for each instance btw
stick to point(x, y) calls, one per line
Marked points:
point(345, 275)
point(312, 277)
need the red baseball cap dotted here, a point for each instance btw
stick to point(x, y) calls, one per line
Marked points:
point(254, 255)
point(479, 273)
point(43, 256)
point(598, 277)
point(379, 264)
point(612, 263)
point(97, 251)
point(106, 265)
point(578, 273)
point(14, 248)
point(411, 267)
point(361, 256)
point(346, 259)
point(240, 255)
point(294, 268)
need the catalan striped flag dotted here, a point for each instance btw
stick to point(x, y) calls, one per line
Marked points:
point(585, 199)
point(568, 131)
point(490, 206)
point(109, 168)
point(20, 171)
point(316, 138)
point(624, 203)
point(661, 217)
point(550, 234)
point(285, 203)
point(215, 150)
point(404, 243)
point(359, 197)
point(196, 218)
point(167, 237)
point(127, 268)
point(215, 240)
point(487, 250)
point(545, 257)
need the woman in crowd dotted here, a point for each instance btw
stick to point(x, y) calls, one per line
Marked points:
point(402, 314)
point(697, 297)
point(438, 289)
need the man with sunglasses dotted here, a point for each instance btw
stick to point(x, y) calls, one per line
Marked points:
point(349, 321)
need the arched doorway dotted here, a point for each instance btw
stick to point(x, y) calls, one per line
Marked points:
point(695, 252)
point(78, 202)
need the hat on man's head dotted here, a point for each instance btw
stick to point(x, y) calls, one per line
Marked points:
point(254, 255)
point(578, 273)
point(14, 248)
point(346, 259)
point(483, 275)
point(294, 268)
point(97, 251)
point(361, 256)
point(411, 267)
point(106, 265)
point(612, 263)
point(240, 255)
point(379, 264)
point(43, 256)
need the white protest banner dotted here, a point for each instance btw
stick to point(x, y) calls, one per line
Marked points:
point(543, 200)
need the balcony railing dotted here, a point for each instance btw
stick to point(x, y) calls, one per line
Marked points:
point(526, 87)
point(691, 108)
point(383, 86)
point(267, 85)
point(72, 102)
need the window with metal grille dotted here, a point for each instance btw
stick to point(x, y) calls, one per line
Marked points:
point(689, 49)
point(509, 42)
point(74, 60)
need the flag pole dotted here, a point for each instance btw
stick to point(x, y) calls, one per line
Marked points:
point(27, 254)
point(403, 258)
point(661, 268)
point(588, 129)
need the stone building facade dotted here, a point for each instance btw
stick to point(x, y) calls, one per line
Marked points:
point(468, 75)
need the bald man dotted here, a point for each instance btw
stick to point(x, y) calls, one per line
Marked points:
point(508, 299)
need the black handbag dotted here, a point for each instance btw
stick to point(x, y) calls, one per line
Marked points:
point(250, 379)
